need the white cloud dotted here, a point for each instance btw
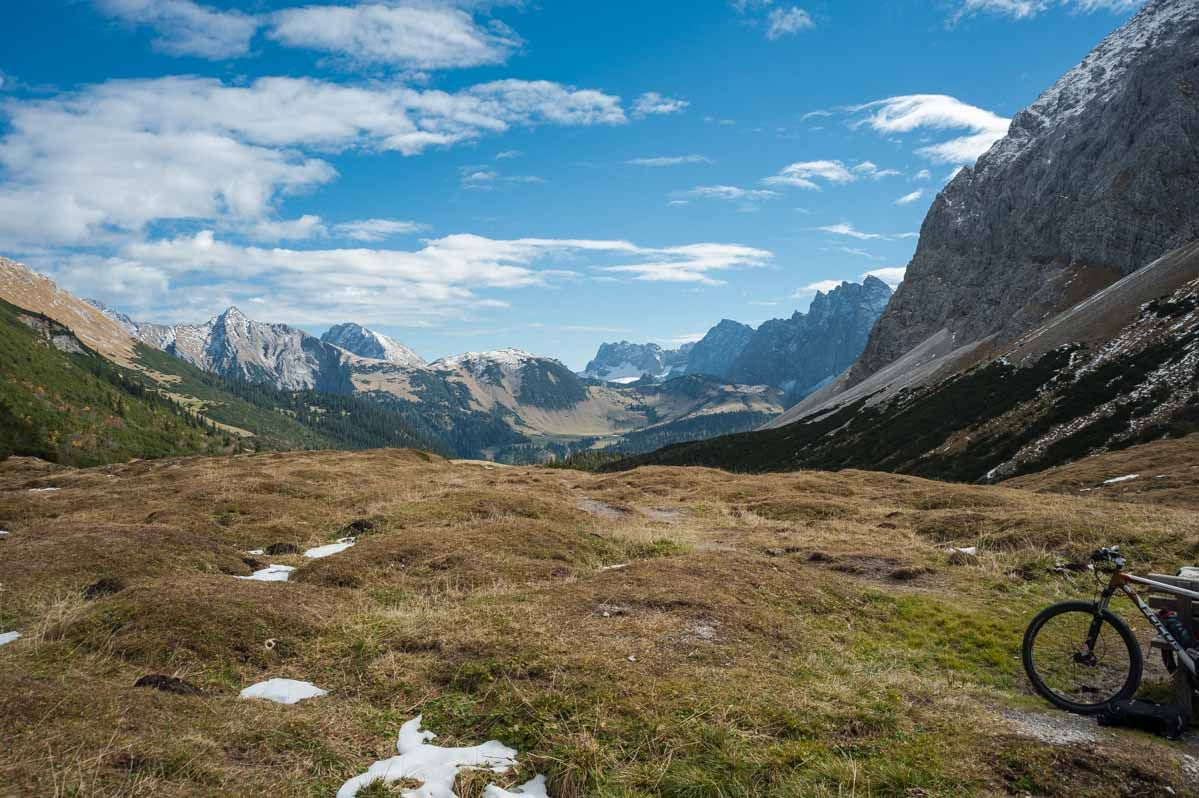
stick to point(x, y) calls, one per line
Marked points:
point(923, 174)
point(787, 21)
point(307, 226)
point(484, 179)
point(187, 28)
point(440, 279)
point(114, 157)
point(821, 286)
point(651, 104)
point(730, 193)
point(1026, 9)
point(870, 169)
point(376, 229)
point(410, 36)
point(673, 160)
point(892, 276)
point(508, 154)
point(693, 263)
point(908, 199)
point(906, 113)
point(804, 174)
point(847, 229)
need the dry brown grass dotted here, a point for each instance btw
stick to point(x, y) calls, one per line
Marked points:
point(1168, 474)
point(797, 634)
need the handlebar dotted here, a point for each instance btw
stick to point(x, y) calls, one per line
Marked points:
point(1108, 554)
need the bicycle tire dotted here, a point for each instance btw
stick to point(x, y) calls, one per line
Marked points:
point(1136, 663)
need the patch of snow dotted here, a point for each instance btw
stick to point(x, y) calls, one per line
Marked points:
point(4, 533)
point(272, 573)
point(437, 768)
point(476, 362)
point(530, 789)
point(283, 691)
point(329, 550)
point(619, 567)
point(969, 551)
point(255, 552)
point(1162, 476)
point(1126, 478)
point(43, 490)
point(8, 637)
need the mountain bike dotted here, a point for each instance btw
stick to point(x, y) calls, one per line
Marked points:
point(1081, 656)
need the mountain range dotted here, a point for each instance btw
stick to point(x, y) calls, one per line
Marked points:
point(276, 386)
point(1049, 310)
point(797, 355)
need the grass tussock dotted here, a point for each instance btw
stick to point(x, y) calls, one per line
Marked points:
point(664, 632)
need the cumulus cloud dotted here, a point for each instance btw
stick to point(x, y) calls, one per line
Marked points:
point(787, 21)
point(923, 174)
point(187, 28)
point(442, 278)
point(670, 160)
point(376, 229)
point(821, 286)
point(409, 36)
point(117, 156)
point(892, 276)
point(805, 174)
point(653, 104)
point(907, 113)
point(908, 199)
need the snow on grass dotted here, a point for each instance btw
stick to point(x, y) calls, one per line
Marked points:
point(437, 768)
point(1126, 478)
point(4, 533)
point(530, 789)
point(43, 490)
point(283, 691)
point(328, 551)
point(272, 573)
point(255, 552)
point(8, 637)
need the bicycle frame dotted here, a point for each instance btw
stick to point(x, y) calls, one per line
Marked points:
point(1124, 583)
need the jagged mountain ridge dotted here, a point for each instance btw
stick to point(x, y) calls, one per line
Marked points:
point(1119, 369)
point(477, 404)
point(359, 340)
point(1095, 180)
point(629, 362)
point(797, 354)
point(806, 351)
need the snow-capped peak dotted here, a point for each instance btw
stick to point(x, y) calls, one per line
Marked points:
point(475, 361)
point(373, 345)
point(1160, 24)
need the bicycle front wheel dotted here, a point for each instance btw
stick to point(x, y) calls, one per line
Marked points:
point(1064, 671)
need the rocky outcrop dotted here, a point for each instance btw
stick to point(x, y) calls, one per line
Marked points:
point(806, 351)
point(717, 351)
point(1095, 180)
point(628, 362)
point(369, 344)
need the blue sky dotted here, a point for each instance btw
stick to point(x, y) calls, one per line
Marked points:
point(470, 175)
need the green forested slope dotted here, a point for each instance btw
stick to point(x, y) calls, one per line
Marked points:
point(62, 402)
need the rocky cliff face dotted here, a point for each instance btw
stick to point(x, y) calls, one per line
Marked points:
point(717, 351)
point(1095, 180)
point(366, 343)
point(806, 351)
point(628, 362)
